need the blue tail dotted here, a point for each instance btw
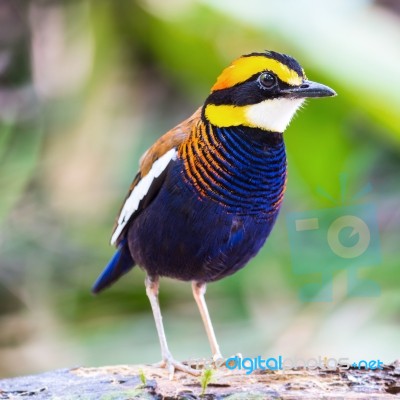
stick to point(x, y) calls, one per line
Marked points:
point(121, 263)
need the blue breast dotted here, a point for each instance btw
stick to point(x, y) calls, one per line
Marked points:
point(217, 206)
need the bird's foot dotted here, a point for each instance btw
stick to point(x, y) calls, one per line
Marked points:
point(201, 364)
point(218, 360)
point(172, 365)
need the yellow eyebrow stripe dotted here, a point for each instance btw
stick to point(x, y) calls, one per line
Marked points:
point(245, 67)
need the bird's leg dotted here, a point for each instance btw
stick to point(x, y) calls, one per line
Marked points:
point(152, 286)
point(167, 359)
point(199, 289)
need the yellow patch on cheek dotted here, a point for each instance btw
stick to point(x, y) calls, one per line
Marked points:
point(226, 115)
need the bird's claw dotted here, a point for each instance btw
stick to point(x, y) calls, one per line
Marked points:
point(218, 360)
point(171, 364)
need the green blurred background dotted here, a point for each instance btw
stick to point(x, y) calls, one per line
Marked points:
point(87, 86)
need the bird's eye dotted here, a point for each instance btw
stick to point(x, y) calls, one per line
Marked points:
point(267, 80)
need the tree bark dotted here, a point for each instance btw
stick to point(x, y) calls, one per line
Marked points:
point(149, 382)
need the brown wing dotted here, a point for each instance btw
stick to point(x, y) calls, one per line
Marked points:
point(148, 180)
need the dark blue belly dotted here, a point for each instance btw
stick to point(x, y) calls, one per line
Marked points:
point(184, 236)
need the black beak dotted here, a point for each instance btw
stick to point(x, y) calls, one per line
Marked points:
point(309, 89)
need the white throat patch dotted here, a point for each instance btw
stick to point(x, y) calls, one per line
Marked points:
point(273, 115)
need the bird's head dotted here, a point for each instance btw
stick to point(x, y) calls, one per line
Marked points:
point(260, 90)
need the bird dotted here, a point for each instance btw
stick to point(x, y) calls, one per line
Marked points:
point(208, 192)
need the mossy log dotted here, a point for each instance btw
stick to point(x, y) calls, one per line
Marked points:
point(148, 382)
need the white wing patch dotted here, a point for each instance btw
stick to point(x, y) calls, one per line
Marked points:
point(140, 191)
